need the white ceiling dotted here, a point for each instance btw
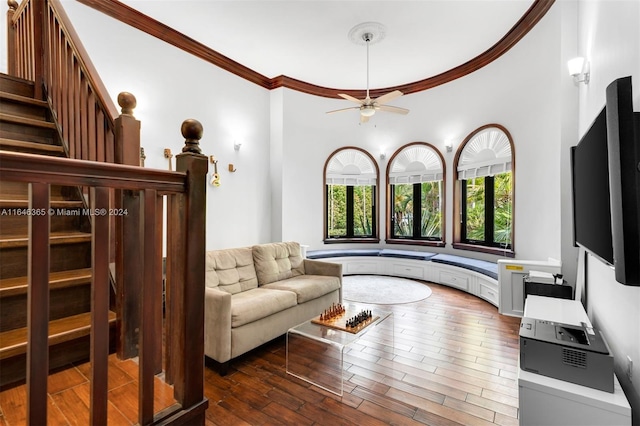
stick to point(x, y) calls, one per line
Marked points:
point(308, 40)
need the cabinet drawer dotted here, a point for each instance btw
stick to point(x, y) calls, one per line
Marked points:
point(400, 270)
point(488, 293)
point(454, 280)
point(361, 268)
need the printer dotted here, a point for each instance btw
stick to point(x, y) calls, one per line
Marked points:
point(576, 354)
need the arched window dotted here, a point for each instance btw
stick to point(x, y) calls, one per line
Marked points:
point(351, 204)
point(484, 191)
point(415, 188)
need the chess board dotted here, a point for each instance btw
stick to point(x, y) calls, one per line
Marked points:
point(339, 323)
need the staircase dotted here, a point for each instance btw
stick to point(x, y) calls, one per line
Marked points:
point(26, 125)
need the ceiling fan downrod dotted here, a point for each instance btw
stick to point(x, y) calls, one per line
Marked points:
point(367, 37)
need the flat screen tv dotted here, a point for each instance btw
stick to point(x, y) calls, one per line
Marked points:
point(591, 197)
point(623, 143)
point(606, 185)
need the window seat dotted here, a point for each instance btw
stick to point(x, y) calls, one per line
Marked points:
point(478, 277)
point(484, 267)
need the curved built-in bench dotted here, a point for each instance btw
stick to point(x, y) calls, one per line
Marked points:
point(478, 277)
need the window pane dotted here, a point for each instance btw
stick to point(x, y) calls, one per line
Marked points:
point(362, 211)
point(337, 210)
point(475, 209)
point(402, 210)
point(502, 209)
point(430, 224)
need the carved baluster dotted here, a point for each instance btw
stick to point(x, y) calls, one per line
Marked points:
point(12, 63)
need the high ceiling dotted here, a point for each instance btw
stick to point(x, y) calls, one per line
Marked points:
point(308, 40)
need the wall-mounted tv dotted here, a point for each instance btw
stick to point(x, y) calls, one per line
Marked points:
point(591, 197)
point(606, 185)
point(623, 143)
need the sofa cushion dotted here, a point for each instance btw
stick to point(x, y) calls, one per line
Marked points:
point(231, 270)
point(277, 261)
point(323, 254)
point(489, 269)
point(407, 254)
point(257, 303)
point(307, 287)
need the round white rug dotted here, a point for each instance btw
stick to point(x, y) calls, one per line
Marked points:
point(382, 290)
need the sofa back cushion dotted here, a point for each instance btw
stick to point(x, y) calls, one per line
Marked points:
point(277, 261)
point(231, 270)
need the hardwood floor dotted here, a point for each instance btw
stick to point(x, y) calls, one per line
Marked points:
point(453, 362)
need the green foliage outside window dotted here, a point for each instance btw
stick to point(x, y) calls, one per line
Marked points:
point(360, 209)
point(475, 209)
point(500, 216)
point(337, 210)
point(429, 209)
point(502, 209)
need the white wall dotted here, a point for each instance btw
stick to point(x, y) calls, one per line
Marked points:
point(519, 91)
point(609, 37)
point(171, 86)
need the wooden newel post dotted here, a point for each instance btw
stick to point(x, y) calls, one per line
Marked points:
point(128, 233)
point(186, 271)
point(11, 38)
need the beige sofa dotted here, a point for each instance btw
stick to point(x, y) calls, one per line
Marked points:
point(255, 294)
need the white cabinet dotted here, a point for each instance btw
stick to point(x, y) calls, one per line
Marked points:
point(457, 280)
point(360, 268)
point(407, 270)
point(488, 290)
point(510, 278)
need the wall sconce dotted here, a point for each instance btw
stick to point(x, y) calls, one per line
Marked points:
point(579, 70)
point(236, 146)
point(383, 155)
point(168, 155)
point(448, 144)
point(215, 179)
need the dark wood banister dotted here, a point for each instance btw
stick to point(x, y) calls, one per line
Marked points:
point(186, 192)
point(43, 47)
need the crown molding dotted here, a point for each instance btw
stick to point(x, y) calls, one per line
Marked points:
point(142, 22)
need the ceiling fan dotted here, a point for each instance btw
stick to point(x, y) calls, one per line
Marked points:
point(368, 106)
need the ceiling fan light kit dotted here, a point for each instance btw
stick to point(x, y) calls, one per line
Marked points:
point(366, 34)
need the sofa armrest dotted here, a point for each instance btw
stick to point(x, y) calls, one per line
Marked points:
point(317, 267)
point(330, 269)
point(217, 324)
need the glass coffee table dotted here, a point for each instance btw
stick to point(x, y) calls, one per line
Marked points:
point(315, 352)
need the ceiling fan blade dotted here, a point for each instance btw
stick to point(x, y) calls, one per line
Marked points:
point(343, 109)
point(397, 110)
point(350, 98)
point(388, 97)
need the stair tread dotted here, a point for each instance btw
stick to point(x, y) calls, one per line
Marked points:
point(58, 149)
point(14, 342)
point(11, 241)
point(18, 285)
point(23, 99)
point(24, 203)
point(27, 121)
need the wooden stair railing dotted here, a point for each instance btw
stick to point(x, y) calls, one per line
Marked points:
point(185, 190)
point(43, 47)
